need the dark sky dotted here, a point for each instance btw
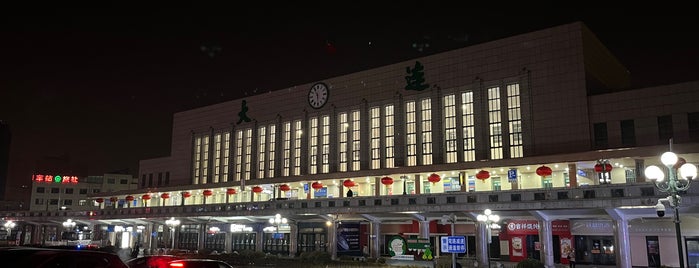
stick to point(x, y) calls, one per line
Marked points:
point(98, 87)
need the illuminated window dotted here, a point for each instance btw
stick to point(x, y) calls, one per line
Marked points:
point(239, 155)
point(514, 117)
point(248, 153)
point(469, 126)
point(261, 151)
point(298, 133)
point(286, 168)
point(225, 160)
point(217, 157)
point(375, 137)
point(272, 150)
point(325, 144)
point(450, 143)
point(343, 126)
point(390, 135)
point(426, 129)
point(356, 140)
point(313, 145)
point(205, 159)
point(494, 123)
point(411, 133)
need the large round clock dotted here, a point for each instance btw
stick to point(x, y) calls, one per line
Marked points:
point(318, 95)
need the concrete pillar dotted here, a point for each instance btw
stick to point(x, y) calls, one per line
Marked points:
point(424, 229)
point(545, 238)
point(259, 239)
point(622, 244)
point(293, 239)
point(573, 175)
point(228, 246)
point(332, 239)
point(202, 235)
point(482, 244)
point(375, 240)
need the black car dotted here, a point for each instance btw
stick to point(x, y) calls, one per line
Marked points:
point(50, 258)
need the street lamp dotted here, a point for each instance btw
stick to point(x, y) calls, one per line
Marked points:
point(276, 221)
point(172, 223)
point(674, 185)
point(491, 222)
point(69, 224)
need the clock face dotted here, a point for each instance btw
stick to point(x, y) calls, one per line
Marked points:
point(318, 95)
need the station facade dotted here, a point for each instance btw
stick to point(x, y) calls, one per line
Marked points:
point(541, 128)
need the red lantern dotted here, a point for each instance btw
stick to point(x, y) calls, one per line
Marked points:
point(165, 196)
point(145, 197)
point(348, 183)
point(434, 178)
point(186, 194)
point(284, 188)
point(113, 199)
point(99, 200)
point(231, 191)
point(544, 171)
point(599, 168)
point(257, 189)
point(483, 175)
point(207, 193)
point(129, 198)
point(387, 181)
point(317, 186)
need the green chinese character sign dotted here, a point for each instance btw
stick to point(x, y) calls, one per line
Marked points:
point(416, 78)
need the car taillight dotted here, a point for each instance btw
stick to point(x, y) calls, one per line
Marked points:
point(176, 264)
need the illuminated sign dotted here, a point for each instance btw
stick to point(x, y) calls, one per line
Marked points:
point(54, 178)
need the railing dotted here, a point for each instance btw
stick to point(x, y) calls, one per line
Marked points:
point(585, 197)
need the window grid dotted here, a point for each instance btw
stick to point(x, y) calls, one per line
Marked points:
point(390, 159)
point(411, 133)
point(313, 146)
point(239, 155)
point(469, 129)
point(205, 160)
point(226, 155)
point(514, 117)
point(261, 151)
point(451, 146)
point(286, 169)
point(197, 160)
point(375, 138)
point(343, 127)
point(325, 143)
point(217, 157)
point(248, 154)
point(272, 150)
point(297, 147)
point(495, 123)
point(426, 129)
point(356, 140)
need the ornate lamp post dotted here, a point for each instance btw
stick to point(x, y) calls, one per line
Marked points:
point(172, 223)
point(491, 222)
point(69, 224)
point(676, 183)
point(276, 221)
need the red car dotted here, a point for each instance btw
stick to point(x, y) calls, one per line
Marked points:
point(153, 261)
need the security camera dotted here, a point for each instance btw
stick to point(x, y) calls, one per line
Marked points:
point(660, 209)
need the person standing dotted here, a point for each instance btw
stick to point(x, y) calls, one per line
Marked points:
point(571, 258)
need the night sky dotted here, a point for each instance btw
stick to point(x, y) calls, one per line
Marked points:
point(97, 88)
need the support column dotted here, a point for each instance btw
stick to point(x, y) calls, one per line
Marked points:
point(573, 175)
point(622, 243)
point(202, 235)
point(228, 246)
point(418, 183)
point(424, 229)
point(545, 238)
point(482, 244)
point(259, 239)
point(332, 240)
point(293, 239)
point(374, 238)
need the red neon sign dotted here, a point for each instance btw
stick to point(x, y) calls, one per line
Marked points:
point(54, 178)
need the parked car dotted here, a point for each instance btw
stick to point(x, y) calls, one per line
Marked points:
point(26, 257)
point(152, 261)
point(198, 263)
